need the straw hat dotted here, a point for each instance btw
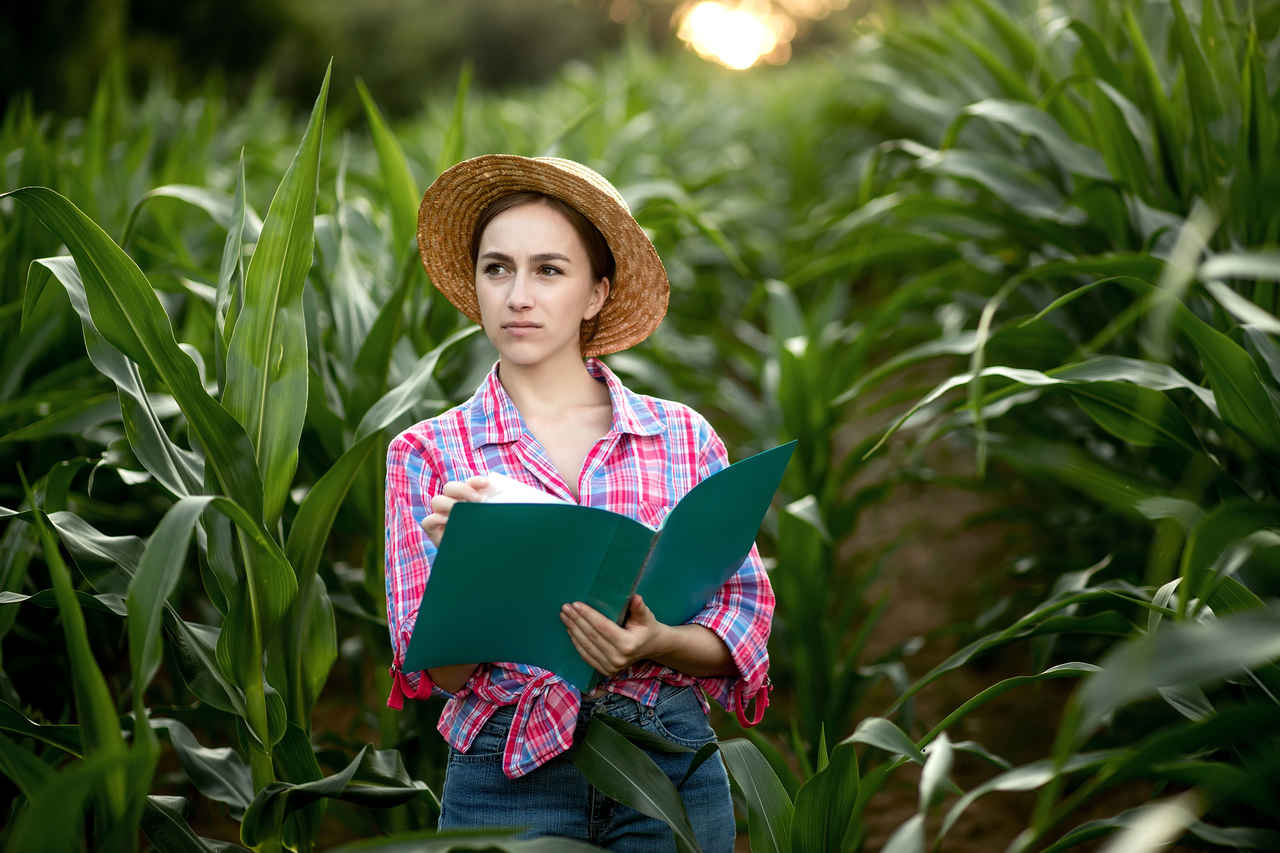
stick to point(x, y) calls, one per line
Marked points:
point(639, 291)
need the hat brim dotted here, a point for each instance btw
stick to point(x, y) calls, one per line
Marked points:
point(453, 203)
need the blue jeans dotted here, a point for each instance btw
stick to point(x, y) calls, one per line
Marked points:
point(556, 799)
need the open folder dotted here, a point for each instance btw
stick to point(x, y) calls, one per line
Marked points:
point(504, 569)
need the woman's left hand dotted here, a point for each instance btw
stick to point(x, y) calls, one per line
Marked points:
point(607, 646)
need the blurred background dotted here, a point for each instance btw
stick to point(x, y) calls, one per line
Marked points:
point(403, 49)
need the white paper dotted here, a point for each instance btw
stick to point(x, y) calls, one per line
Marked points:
point(505, 490)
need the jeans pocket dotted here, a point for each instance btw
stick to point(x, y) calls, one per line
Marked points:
point(680, 718)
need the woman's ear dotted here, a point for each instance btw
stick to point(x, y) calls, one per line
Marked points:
point(599, 294)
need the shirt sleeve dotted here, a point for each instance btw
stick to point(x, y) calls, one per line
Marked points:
point(411, 483)
point(741, 611)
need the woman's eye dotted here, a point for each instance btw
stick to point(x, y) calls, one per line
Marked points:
point(547, 269)
point(495, 268)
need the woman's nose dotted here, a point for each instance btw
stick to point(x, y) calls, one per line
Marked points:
point(521, 293)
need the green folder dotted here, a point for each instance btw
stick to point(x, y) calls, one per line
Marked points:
point(503, 570)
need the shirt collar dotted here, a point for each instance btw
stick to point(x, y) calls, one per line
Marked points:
point(494, 418)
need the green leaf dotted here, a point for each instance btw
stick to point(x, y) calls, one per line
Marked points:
point(265, 815)
point(397, 181)
point(626, 773)
point(1176, 655)
point(53, 818)
point(411, 392)
point(769, 809)
point(229, 292)
point(94, 705)
point(157, 577)
point(1026, 119)
point(178, 470)
point(61, 735)
point(266, 387)
point(216, 772)
point(128, 314)
point(883, 734)
point(1135, 415)
point(825, 808)
point(1227, 525)
point(23, 767)
point(168, 832)
point(937, 773)
point(220, 207)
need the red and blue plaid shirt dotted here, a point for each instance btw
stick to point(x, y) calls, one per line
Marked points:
point(655, 452)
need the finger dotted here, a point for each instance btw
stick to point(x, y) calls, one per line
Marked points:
point(589, 655)
point(461, 491)
point(594, 650)
point(441, 504)
point(605, 629)
point(479, 482)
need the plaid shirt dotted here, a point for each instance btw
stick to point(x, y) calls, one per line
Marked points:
point(655, 452)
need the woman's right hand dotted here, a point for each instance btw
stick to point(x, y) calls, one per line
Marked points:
point(470, 489)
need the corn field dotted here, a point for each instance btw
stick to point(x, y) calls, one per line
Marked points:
point(1023, 251)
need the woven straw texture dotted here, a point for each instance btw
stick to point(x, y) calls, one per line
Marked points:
point(451, 205)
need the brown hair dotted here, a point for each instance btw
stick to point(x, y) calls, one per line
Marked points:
point(598, 253)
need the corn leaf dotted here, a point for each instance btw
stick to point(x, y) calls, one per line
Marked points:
point(266, 387)
point(127, 313)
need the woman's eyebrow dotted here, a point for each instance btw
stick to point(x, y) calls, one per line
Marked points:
point(539, 258)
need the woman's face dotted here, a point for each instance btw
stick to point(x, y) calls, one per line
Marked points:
point(534, 284)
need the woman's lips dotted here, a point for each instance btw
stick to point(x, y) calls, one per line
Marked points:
point(521, 329)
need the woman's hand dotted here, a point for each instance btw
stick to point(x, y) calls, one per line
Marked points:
point(609, 647)
point(454, 491)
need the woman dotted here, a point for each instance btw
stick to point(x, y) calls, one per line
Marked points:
point(544, 254)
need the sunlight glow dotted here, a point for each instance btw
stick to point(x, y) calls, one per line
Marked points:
point(740, 34)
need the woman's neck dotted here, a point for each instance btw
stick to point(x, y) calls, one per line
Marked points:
point(551, 390)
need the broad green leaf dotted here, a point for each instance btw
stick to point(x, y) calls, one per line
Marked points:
point(61, 735)
point(157, 577)
point(53, 818)
point(409, 393)
point(626, 773)
point(23, 767)
point(1136, 415)
point(1026, 119)
point(884, 734)
point(1242, 309)
point(1225, 526)
point(216, 772)
point(94, 706)
point(769, 809)
point(825, 807)
point(128, 314)
point(220, 207)
point(178, 470)
point(937, 772)
point(167, 831)
point(265, 815)
point(266, 387)
point(1179, 654)
point(397, 181)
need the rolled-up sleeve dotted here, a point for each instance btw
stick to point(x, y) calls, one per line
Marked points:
point(741, 611)
point(411, 483)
